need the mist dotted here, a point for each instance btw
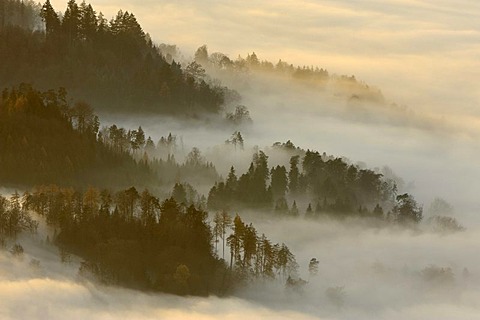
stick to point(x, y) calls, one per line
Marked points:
point(432, 155)
point(421, 55)
point(379, 273)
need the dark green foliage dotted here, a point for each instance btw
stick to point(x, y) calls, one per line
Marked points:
point(113, 63)
point(250, 190)
point(179, 193)
point(132, 239)
point(293, 175)
point(378, 211)
point(279, 182)
point(406, 210)
point(339, 189)
point(343, 187)
point(45, 140)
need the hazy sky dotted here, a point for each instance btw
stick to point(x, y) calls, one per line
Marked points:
point(425, 54)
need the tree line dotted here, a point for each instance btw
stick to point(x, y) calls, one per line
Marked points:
point(113, 62)
point(329, 185)
point(252, 255)
point(133, 239)
point(345, 85)
point(46, 139)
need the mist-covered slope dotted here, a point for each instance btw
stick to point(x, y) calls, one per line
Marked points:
point(45, 140)
point(363, 242)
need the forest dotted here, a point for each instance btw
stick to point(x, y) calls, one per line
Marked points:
point(135, 240)
point(121, 201)
point(314, 77)
point(45, 140)
point(112, 62)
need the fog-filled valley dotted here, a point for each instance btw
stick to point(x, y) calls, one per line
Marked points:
point(381, 274)
point(294, 173)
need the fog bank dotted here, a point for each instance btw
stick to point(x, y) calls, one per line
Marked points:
point(379, 274)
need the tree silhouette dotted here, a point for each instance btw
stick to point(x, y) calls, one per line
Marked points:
point(407, 210)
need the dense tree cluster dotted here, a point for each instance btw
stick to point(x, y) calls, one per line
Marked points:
point(347, 86)
point(331, 185)
point(113, 62)
point(256, 256)
point(250, 190)
point(346, 186)
point(130, 238)
point(406, 210)
point(133, 239)
point(159, 157)
point(43, 139)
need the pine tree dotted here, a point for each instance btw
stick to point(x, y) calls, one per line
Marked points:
point(279, 182)
point(50, 17)
point(88, 21)
point(309, 212)
point(71, 21)
point(294, 210)
point(293, 175)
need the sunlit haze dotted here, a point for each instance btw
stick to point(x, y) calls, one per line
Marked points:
point(382, 223)
point(424, 54)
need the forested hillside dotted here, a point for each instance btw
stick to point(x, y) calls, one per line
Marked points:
point(330, 186)
point(85, 180)
point(112, 62)
point(45, 140)
point(319, 79)
point(135, 240)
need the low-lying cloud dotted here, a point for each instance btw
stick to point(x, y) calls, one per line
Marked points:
point(419, 53)
point(373, 274)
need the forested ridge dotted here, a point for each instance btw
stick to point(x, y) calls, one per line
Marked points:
point(43, 139)
point(133, 239)
point(112, 62)
point(331, 187)
point(102, 189)
point(125, 237)
point(314, 77)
